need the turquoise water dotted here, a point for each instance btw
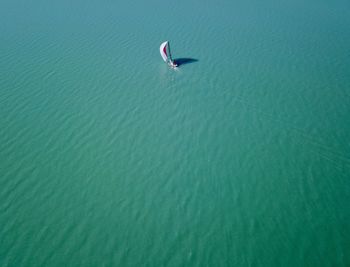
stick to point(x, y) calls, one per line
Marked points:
point(110, 158)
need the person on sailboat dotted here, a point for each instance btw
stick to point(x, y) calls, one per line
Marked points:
point(173, 64)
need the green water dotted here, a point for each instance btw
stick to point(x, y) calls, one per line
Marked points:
point(110, 158)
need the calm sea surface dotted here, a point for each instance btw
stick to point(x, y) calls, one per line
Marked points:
point(241, 157)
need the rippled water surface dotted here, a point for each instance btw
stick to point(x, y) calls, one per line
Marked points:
point(241, 157)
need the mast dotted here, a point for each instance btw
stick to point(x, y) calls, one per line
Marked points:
point(170, 58)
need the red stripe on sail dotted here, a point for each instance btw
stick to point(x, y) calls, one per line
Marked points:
point(164, 50)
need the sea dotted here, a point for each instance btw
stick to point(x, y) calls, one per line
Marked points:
point(239, 157)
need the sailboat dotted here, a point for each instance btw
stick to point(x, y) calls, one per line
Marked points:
point(166, 55)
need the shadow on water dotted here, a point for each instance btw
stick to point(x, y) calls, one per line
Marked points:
point(184, 60)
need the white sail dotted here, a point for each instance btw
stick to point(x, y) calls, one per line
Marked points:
point(163, 51)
